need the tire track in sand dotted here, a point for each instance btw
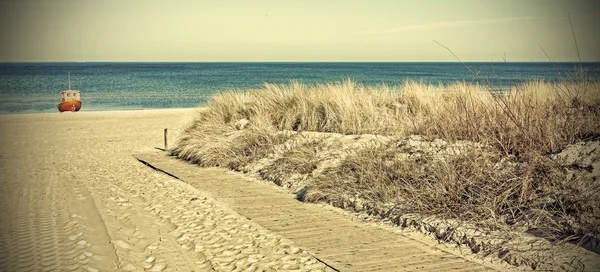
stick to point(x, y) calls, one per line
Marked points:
point(48, 225)
point(50, 235)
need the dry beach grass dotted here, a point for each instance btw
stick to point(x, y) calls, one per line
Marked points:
point(481, 156)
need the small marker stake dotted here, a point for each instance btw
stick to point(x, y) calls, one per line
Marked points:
point(166, 147)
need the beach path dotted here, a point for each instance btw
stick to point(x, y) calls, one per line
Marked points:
point(74, 199)
point(335, 237)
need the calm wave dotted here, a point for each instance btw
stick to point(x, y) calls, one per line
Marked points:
point(35, 87)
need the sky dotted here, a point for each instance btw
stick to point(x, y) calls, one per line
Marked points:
point(282, 31)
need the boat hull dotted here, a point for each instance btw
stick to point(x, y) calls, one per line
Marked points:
point(72, 105)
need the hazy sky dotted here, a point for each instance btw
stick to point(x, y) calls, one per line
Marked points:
point(278, 30)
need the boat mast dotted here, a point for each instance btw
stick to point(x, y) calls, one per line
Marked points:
point(69, 74)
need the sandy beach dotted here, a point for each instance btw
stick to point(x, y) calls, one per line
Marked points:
point(74, 199)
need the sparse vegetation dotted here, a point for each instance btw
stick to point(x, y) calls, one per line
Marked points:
point(490, 166)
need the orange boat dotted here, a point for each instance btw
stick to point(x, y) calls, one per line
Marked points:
point(71, 99)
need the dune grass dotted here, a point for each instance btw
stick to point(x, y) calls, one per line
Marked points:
point(503, 185)
point(537, 117)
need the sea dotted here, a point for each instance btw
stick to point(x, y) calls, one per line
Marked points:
point(105, 86)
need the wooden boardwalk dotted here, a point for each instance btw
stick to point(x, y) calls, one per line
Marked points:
point(341, 241)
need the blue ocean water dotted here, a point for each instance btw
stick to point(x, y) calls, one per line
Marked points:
point(35, 87)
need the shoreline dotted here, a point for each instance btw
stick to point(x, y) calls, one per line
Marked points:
point(100, 111)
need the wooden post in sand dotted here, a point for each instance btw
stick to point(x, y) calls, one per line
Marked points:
point(166, 147)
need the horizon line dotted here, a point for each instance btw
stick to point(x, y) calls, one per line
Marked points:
point(168, 61)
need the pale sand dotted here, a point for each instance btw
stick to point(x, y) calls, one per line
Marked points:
point(74, 199)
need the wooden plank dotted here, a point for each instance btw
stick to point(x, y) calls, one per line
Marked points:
point(344, 243)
